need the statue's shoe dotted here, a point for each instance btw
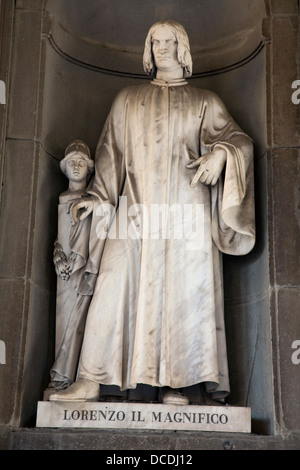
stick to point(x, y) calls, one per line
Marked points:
point(81, 390)
point(173, 397)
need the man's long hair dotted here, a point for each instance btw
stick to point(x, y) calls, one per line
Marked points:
point(183, 48)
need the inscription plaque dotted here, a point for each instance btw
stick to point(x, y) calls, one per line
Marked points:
point(106, 415)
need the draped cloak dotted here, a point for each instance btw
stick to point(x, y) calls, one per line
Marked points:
point(157, 315)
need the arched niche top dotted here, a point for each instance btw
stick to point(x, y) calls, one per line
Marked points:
point(110, 35)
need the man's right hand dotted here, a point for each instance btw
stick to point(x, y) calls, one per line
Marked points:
point(86, 204)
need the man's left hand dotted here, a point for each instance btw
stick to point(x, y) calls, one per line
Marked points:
point(210, 167)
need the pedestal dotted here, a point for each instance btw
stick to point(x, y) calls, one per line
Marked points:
point(106, 415)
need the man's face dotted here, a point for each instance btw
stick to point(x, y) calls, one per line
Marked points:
point(76, 168)
point(164, 48)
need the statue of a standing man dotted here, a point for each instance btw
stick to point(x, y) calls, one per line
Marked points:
point(157, 315)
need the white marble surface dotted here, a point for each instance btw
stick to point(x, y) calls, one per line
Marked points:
point(70, 259)
point(106, 415)
point(156, 316)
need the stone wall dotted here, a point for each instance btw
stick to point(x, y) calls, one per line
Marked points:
point(283, 197)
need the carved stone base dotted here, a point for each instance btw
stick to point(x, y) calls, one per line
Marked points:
point(109, 415)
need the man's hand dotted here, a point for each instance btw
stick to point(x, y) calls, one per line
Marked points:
point(210, 167)
point(84, 203)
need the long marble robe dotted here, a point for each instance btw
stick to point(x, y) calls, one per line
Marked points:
point(73, 295)
point(157, 313)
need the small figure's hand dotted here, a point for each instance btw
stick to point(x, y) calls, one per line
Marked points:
point(60, 268)
point(84, 203)
point(63, 266)
point(60, 261)
point(65, 272)
point(210, 167)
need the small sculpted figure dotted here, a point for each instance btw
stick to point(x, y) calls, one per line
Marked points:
point(70, 257)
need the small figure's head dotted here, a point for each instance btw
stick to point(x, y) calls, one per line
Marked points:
point(167, 43)
point(77, 164)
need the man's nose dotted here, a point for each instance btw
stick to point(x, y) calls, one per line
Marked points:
point(163, 46)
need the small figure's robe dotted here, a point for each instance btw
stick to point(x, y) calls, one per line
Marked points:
point(157, 313)
point(74, 295)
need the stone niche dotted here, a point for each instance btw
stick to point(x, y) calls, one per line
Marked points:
point(91, 50)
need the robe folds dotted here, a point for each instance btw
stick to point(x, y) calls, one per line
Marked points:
point(156, 316)
point(73, 296)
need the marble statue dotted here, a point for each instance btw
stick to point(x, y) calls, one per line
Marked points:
point(156, 315)
point(70, 257)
